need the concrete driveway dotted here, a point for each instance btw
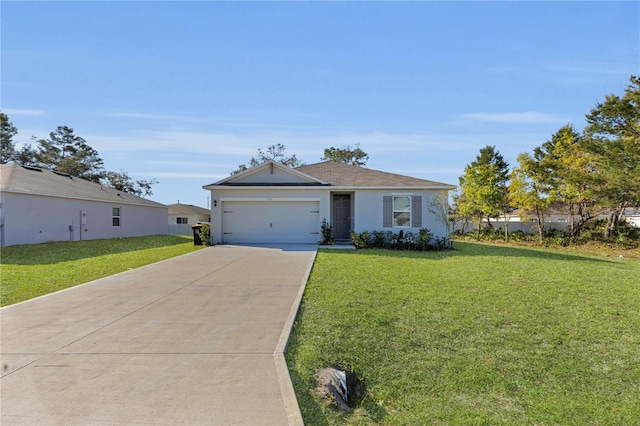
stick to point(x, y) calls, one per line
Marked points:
point(197, 339)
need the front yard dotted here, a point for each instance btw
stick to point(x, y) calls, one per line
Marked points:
point(480, 335)
point(33, 270)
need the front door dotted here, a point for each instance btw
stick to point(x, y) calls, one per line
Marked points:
point(341, 216)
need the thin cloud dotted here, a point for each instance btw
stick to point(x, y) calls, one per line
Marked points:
point(154, 117)
point(529, 117)
point(24, 112)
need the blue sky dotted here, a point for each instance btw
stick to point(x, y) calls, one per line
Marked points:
point(185, 91)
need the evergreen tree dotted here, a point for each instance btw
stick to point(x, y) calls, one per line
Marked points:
point(276, 153)
point(7, 146)
point(347, 155)
point(483, 187)
point(67, 153)
point(612, 137)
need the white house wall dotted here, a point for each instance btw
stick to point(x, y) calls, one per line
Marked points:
point(368, 211)
point(367, 204)
point(31, 219)
point(219, 196)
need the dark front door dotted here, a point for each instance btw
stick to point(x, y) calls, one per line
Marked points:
point(341, 216)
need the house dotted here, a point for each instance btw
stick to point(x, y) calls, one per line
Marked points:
point(272, 203)
point(632, 216)
point(38, 205)
point(183, 216)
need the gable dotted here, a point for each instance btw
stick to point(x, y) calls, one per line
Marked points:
point(270, 173)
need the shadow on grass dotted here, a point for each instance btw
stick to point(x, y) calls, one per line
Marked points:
point(64, 251)
point(464, 249)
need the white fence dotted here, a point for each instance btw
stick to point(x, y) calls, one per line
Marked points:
point(180, 229)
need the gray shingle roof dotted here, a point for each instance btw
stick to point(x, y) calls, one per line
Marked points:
point(36, 181)
point(339, 174)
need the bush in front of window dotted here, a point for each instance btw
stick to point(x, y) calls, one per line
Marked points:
point(424, 240)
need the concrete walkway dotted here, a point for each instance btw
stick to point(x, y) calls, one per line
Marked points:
point(197, 340)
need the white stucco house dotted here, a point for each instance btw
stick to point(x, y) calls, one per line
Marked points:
point(272, 203)
point(38, 205)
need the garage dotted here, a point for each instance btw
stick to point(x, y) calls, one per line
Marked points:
point(270, 222)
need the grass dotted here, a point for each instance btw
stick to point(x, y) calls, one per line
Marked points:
point(479, 335)
point(28, 271)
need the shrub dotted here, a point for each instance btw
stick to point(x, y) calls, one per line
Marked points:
point(327, 234)
point(423, 241)
point(204, 233)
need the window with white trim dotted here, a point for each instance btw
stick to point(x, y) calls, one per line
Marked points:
point(402, 210)
point(182, 220)
point(115, 216)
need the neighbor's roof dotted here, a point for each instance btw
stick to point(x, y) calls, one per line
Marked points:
point(35, 181)
point(340, 174)
point(187, 209)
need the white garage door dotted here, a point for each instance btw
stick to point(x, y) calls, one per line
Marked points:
point(270, 222)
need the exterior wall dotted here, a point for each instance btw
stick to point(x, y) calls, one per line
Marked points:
point(367, 206)
point(368, 211)
point(32, 219)
point(192, 218)
point(219, 196)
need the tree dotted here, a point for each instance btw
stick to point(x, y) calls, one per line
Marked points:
point(564, 167)
point(7, 132)
point(612, 137)
point(70, 154)
point(483, 187)
point(530, 189)
point(67, 153)
point(347, 155)
point(122, 182)
point(440, 208)
point(275, 152)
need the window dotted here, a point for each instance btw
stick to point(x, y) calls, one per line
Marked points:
point(115, 216)
point(401, 210)
point(184, 220)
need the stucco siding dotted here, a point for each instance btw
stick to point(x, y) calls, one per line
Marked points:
point(31, 219)
point(368, 211)
point(367, 206)
point(278, 195)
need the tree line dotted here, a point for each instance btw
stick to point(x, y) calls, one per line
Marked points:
point(65, 152)
point(589, 173)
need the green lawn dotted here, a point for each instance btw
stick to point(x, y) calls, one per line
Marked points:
point(29, 271)
point(479, 335)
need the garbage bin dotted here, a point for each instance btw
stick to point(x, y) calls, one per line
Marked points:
point(197, 241)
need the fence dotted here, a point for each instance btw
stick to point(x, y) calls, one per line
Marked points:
point(180, 229)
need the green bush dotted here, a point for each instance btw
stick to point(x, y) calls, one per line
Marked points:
point(205, 234)
point(327, 234)
point(423, 241)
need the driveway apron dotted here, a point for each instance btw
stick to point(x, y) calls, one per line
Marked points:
point(197, 339)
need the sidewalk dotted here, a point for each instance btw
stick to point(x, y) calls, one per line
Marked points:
point(197, 339)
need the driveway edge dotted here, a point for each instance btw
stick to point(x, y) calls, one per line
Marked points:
point(294, 415)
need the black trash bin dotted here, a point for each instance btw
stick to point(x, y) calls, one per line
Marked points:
point(197, 241)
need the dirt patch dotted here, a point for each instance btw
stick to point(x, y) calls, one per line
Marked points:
point(340, 388)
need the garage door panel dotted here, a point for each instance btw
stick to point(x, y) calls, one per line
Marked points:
point(271, 222)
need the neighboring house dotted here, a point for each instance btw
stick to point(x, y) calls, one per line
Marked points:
point(272, 203)
point(632, 216)
point(38, 205)
point(183, 216)
point(556, 217)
